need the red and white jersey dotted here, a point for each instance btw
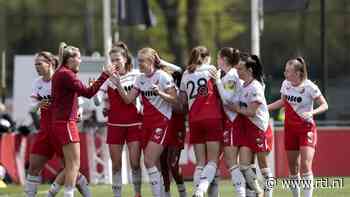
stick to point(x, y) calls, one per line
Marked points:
point(202, 97)
point(155, 109)
point(254, 92)
point(300, 98)
point(231, 86)
point(120, 113)
point(41, 89)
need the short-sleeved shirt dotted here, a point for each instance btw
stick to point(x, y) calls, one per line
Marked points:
point(41, 89)
point(202, 97)
point(120, 113)
point(300, 98)
point(254, 92)
point(232, 84)
point(155, 108)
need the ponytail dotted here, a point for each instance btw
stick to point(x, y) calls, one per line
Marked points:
point(65, 52)
point(253, 62)
point(230, 55)
point(197, 58)
point(299, 66)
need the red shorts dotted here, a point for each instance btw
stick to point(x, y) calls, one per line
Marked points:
point(254, 138)
point(231, 132)
point(42, 144)
point(64, 132)
point(177, 132)
point(120, 135)
point(159, 134)
point(295, 138)
point(206, 130)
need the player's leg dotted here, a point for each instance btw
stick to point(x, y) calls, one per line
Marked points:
point(71, 154)
point(237, 178)
point(134, 156)
point(173, 162)
point(293, 157)
point(306, 157)
point(115, 151)
point(266, 173)
point(165, 171)
point(33, 179)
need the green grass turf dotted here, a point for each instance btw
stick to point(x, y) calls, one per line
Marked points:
point(226, 190)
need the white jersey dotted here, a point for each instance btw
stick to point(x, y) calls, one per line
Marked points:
point(120, 113)
point(254, 92)
point(301, 98)
point(154, 107)
point(202, 98)
point(41, 89)
point(231, 85)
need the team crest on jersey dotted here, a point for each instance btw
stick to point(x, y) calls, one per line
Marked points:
point(158, 131)
point(230, 85)
point(40, 87)
point(302, 90)
point(259, 142)
point(310, 137)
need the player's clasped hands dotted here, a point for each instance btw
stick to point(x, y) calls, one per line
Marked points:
point(44, 104)
point(214, 73)
point(109, 69)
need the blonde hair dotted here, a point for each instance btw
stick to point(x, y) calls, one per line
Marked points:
point(299, 66)
point(151, 55)
point(65, 52)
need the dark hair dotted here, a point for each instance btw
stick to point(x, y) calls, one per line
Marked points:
point(230, 55)
point(65, 52)
point(197, 57)
point(299, 65)
point(50, 58)
point(253, 62)
point(121, 47)
point(177, 76)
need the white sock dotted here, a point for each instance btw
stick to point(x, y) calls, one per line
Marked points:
point(136, 180)
point(156, 181)
point(295, 185)
point(308, 184)
point(167, 194)
point(213, 190)
point(238, 181)
point(117, 184)
point(196, 176)
point(68, 191)
point(181, 188)
point(251, 178)
point(83, 186)
point(267, 174)
point(207, 176)
point(2, 172)
point(54, 189)
point(31, 185)
point(250, 193)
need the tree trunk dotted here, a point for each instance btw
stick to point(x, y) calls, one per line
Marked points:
point(192, 27)
point(170, 10)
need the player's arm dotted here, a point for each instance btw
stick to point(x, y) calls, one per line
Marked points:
point(250, 110)
point(127, 97)
point(182, 101)
point(169, 95)
point(322, 105)
point(275, 105)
